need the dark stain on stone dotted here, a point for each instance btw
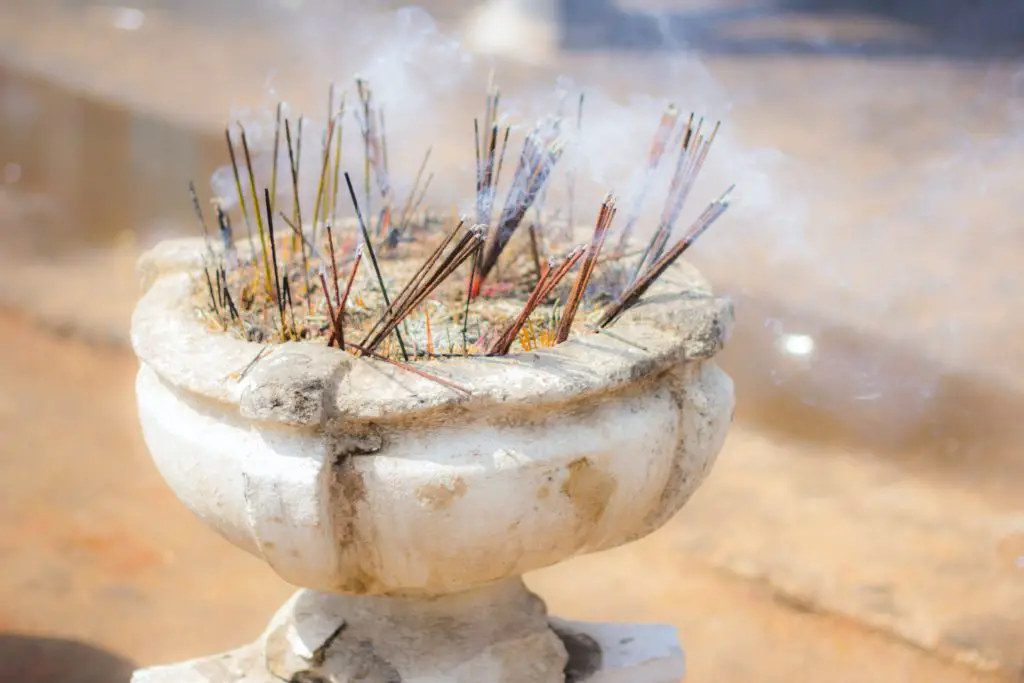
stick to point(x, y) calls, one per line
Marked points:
point(585, 656)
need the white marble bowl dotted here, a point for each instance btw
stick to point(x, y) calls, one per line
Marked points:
point(350, 475)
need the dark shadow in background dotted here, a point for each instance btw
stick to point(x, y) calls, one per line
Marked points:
point(32, 659)
point(951, 29)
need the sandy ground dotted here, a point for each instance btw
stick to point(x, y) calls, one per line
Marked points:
point(864, 522)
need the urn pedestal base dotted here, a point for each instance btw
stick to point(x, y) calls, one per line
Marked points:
point(497, 634)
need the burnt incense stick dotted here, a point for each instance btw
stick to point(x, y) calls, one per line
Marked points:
point(298, 141)
point(256, 203)
point(501, 156)
point(238, 187)
point(209, 284)
point(277, 156)
point(324, 167)
point(340, 324)
point(199, 213)
point(273, 253)
point(227, 236)
point(299, 234)
point(331, 316)
point(414, 281)
point(287, 297)
point(333, 264)
point(232, 309)
point(337, 159)
point(362, 89)
point(293, 161)
point(406, 214)
point(367, 242)
point(535, 250)
point(220, 287)
point(479, 163)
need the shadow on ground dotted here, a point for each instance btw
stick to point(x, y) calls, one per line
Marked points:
point(952, 29)
point(32, 659)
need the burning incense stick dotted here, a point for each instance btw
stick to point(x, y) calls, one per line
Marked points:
point(691, 158)
point(541, 151)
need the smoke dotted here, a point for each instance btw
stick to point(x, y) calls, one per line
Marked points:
point(866, 191)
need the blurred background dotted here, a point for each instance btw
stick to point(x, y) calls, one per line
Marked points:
point(865, 521)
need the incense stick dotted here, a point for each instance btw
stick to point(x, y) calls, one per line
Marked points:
point(256, 203)
point(572, 304)
point(373, 257)
point(277, 156)
point(241, 194)
point(340, 324)
point(416, 371)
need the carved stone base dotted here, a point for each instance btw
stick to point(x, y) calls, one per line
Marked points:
point(498, 634)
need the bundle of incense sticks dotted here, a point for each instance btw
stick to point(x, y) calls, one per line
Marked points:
point(541, 291)
point(631, 296)
point(692, 153)
point(487, 172)
point(371, 122)
point(310, 290)
point(662, 136)
point(542, 149)
point(428, 278)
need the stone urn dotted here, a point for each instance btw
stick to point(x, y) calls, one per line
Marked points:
point(407, 511)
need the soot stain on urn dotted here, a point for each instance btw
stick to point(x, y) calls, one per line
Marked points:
point(585, 656)
point(589, 488)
